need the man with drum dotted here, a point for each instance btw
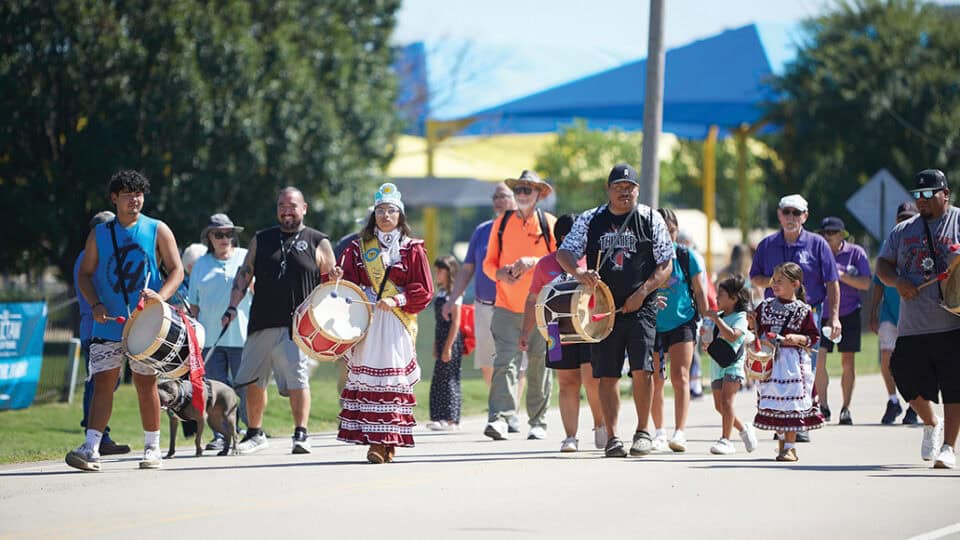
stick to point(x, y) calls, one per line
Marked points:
point(286, 261)
point(627, 247)
point(517, 241)
point(121, 266)
point(926, 362)
point(793, 243)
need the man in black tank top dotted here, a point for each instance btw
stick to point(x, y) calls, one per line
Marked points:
point(286, 262)
point(634, 251)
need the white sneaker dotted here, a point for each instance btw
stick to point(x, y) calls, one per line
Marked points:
point(253, 444)
point(570, 444)
point(660, 443)
point(496, 430)
point(151, 458)
point(932, 440)
point(600, 437)
point(722, 447)
point(946, 459)
point(678, 443)
point(749, 438)
point(83, 458)
point(301, 443)
point(436, 425)
point(447, 426)
point(537, 433)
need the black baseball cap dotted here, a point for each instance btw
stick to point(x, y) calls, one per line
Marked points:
point(833, 224)
point(623, 173)
point(906, 210)
point(929, 179)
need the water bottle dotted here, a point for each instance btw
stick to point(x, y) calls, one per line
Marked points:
point(707, 336)
point(827, 331)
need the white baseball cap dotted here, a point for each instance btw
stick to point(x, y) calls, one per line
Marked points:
point(793, 201)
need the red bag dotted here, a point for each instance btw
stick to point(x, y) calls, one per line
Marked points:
point(467, 329)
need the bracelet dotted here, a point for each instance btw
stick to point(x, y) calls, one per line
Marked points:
point(231, 307)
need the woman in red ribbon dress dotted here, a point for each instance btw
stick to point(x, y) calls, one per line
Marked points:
point(392, 268)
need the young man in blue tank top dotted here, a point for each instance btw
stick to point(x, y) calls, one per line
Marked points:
point(119, 257)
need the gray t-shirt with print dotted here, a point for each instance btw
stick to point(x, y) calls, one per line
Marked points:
point(907, 247)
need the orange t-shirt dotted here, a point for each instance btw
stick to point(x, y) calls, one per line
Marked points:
point(521, 238)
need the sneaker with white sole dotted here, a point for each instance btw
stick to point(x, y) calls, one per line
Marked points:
point(301, 443)
point(570, 444)
point(215, 445)
point(84, 459)
point(151, 458)
point(642, 444)
point(449, 426)
point(496, 430)
point(932, 440)
point(537, 433)
point(436, 425)
point(251, 444)
point(659, 444)
point(946, 459)
point(749, 438)
point(600, 437)
point(722, 447)
point(513, 424)
point(678, 443)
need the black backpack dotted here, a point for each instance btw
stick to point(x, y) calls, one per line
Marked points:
point(544, 230)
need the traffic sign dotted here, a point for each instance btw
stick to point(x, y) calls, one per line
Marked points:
point(875, 204)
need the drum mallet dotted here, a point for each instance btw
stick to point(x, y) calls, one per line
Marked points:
point(945, 274)
point(600, 316)
point(119, 320)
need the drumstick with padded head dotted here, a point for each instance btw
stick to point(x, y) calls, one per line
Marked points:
point(600, 316)
point(333, 294)
point(119, 320)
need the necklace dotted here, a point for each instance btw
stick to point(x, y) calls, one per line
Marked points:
point(284, 251)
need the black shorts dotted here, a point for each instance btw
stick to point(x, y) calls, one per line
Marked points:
point(685, 333)
point(574, 355)
point(928, 366)
point(850, 341)
point(633, 334)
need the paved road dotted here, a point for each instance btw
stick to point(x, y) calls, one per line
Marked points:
point(864, 481)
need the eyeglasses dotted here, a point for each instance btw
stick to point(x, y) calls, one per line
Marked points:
point(523, 190)
point(792, 212)
point(221, 235)
point(389, 211)
point(926, 194)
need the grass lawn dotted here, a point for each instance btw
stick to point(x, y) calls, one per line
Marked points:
point(48, 431)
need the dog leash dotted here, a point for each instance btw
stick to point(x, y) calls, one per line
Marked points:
point(216, 342)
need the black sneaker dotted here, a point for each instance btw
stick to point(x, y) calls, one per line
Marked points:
point(845, 418)
point(826, 412)
point(893, 411)
point(301, 444)
point(614, 448)
point(910, 418)
point(109, 447)
point(803, 436)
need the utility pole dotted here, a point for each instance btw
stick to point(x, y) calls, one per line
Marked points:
point(653, 109)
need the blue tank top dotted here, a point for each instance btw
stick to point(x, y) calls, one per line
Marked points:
point(138, 253)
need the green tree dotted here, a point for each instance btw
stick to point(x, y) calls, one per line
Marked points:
point(875, 84)
point(220, 103)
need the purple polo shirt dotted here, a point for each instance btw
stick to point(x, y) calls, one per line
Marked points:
point(851, 257)
point(484, 288)
point(810, 251)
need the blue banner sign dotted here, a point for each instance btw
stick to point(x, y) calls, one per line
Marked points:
point(21, 352)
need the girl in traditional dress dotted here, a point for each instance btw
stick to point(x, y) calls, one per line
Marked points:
point(393, 270)
point(445, 393)
point(787, 402)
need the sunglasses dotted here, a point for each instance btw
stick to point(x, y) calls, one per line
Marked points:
point(926, 194)
point(792, 212)
point(221, 235)
point(523, 190)
point(389, 211)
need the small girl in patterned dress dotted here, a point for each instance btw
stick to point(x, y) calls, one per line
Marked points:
point(787, 403)
point(445, 392)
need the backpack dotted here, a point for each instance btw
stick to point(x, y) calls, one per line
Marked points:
point(467, 328)
point(683, 257)
point(544, 229)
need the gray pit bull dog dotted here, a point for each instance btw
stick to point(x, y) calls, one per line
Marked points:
point(220, 411)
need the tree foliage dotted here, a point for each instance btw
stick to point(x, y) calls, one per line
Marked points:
point(219, 102)
point(876, 84)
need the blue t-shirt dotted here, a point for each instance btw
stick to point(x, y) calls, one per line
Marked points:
point(738, 321)
point(86, 312)
point(680, 307)
point(210, 285)
point(890, 305)
point(484, 288)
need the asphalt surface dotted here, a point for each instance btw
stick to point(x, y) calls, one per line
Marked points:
point(861, 481)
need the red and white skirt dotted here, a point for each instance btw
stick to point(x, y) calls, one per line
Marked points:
point(378, 398)
point(787, 400)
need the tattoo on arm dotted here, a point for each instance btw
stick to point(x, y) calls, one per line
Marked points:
point(242, 281)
